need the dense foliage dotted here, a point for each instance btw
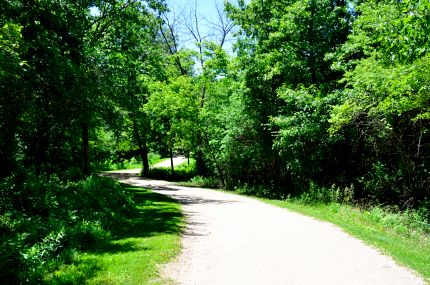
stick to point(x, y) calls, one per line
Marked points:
point(72, 85)
point(44, 223)
point(335, 94)
point(321, 98)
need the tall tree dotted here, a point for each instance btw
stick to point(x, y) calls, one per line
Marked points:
point(131, 47)
point(207, 45)
point(13, 92)
point(173, 107)
point(387, 98)
point(282, 48)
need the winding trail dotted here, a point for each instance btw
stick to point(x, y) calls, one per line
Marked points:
point(237, 240)
point(166, 163)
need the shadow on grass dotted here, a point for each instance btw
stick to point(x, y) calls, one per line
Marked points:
point(154, 214)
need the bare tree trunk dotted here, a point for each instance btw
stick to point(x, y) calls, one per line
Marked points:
point(200, 161)
point(143, 149)
point(171, 161)
point(217, 164)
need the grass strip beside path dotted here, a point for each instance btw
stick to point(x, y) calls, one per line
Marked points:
point(147, 237)
point(408, 248)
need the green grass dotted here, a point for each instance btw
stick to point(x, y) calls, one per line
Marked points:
point(408, 245)
point(147, 237)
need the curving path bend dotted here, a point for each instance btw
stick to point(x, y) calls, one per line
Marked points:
point(232, 240)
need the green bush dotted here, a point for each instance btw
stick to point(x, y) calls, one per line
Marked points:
point(319, 194)
point(116, 164)
point(408, 222)
point(182, 172)
point(258, 191)
point(153, 158)
point(42, 223)
point(112, 164)
point(205, 182)
point(87, 234)
point(393, 186)
point(166, 174)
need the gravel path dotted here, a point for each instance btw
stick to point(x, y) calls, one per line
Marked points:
point(166, 163)
point(231, 239)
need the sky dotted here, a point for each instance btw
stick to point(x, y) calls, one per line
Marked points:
point(205, 8)
point(206, 12)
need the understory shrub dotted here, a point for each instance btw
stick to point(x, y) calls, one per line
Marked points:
point(205, 182)
point(408, 221)
point(182, 172)
point(115, 164)
point(122, 163)
point(153, 158)
point(261, 191)
point(319, 194)
point(42, 223)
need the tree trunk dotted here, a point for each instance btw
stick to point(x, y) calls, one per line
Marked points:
point(85, 149)
point(8, 144)
point(200, 163)
point(217, 164)
point(143, 149)
point(171, 161)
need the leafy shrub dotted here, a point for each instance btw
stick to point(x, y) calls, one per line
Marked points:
point(88, 234)
point(382, 184)
point(408, 222)
point(112, 164)
point(206, 182)
point(42, 222)
point(153, 158)
point(166, 174)
point(116, 164)
point(261, 191)
point(182, 172)
point(316, 194)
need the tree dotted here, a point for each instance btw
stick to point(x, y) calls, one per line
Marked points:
point(282, 49)
point(12, 99)
point(57, 55)
point(173, 107)
point(387, 98)
point(133, 57)
point(208, 45)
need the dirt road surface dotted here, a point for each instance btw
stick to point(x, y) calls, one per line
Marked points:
point(166, 163)
point(234, 240)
